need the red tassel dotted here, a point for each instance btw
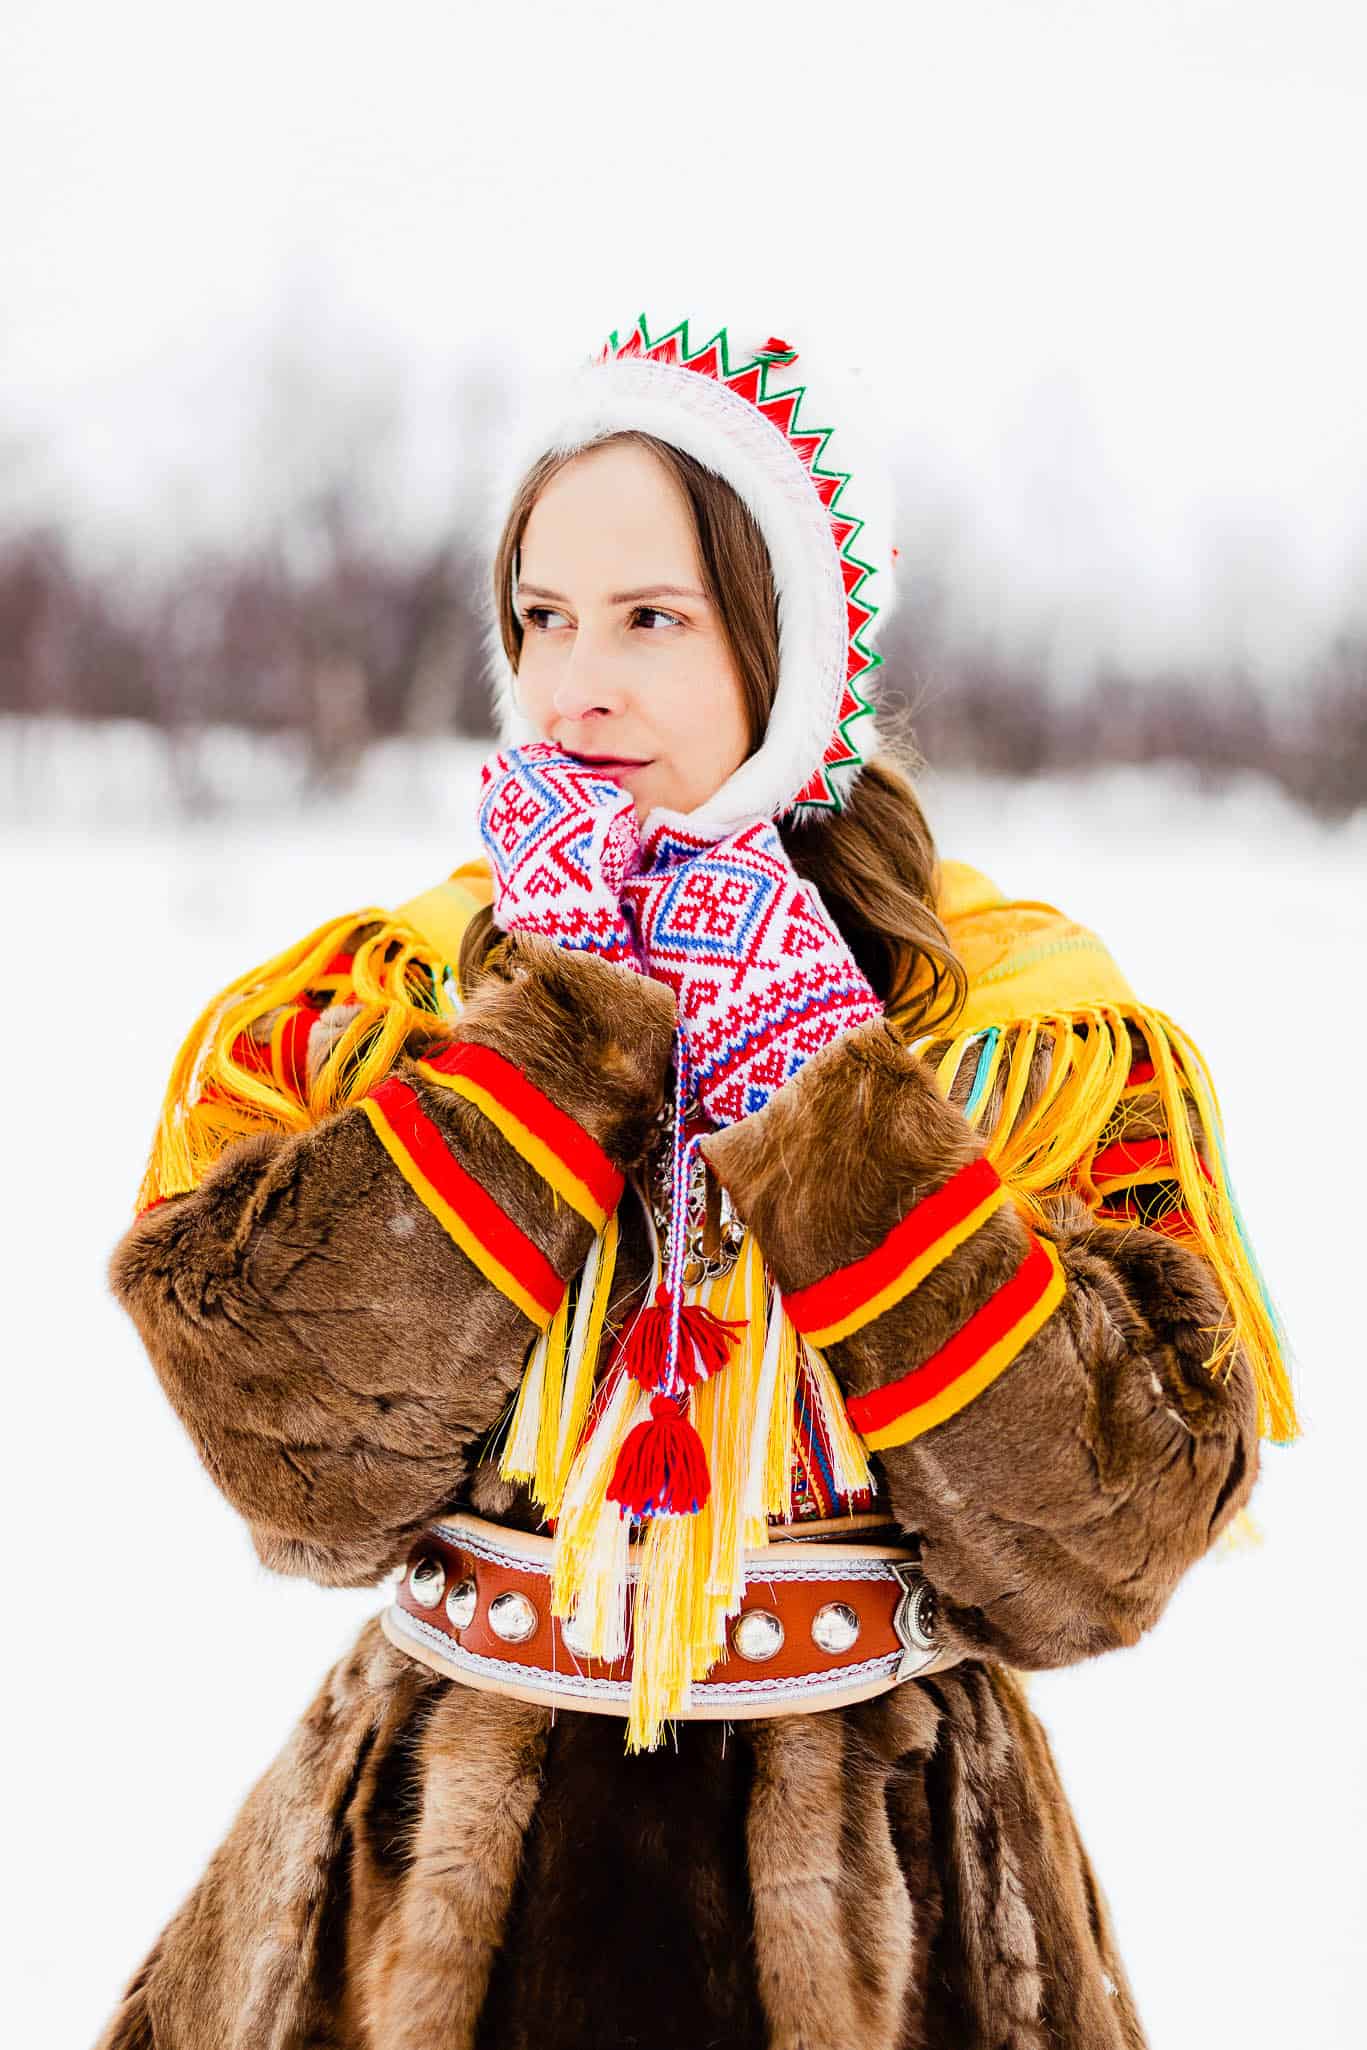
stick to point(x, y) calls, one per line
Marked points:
point(705, 1342)
point(661, 1470)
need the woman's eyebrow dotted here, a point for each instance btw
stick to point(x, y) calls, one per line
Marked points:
point(616, 597)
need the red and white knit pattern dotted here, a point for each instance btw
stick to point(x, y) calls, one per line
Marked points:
point(762, 976)
point(560, 837)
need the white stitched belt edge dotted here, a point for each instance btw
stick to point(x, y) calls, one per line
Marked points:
point(807, 1558)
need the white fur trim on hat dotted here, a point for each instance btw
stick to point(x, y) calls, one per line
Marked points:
point(729, 435)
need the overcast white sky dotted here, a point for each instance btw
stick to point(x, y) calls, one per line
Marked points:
point(1103, 264)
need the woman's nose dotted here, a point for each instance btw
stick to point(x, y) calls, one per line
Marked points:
point(585, 685)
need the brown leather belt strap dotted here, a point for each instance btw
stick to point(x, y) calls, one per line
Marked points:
point(821, 1623)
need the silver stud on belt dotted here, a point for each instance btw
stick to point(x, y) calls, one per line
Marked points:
point(835, 1626)
point(512, 1616)
point(757, 1634)
point(460, 1604)
point(426, 1580)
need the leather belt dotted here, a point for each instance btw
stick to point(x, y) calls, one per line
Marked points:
point(823, 1621)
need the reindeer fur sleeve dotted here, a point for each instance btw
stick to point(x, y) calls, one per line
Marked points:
point(1058, 1504)
point(332, 1351)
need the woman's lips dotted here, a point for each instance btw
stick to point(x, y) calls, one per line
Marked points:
point(611, 762)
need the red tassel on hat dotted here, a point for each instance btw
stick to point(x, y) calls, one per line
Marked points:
point(661, 1469)
point(709, 1339)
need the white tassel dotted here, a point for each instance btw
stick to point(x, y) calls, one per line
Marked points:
point(517, 1461)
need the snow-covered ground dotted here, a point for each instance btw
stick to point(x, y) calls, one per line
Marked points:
point(1217, 1768)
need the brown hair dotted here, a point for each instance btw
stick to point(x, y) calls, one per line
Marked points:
point(874, 862)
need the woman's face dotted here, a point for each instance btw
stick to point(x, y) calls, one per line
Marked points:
point(623, 657)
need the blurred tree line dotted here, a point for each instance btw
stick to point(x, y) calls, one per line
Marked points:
point(347, 642)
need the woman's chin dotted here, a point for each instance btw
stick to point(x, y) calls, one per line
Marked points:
point(642, 785)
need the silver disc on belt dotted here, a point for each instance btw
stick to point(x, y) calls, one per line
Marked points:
point(460, 1603)
point(757, 1635)
point(426, 1580)
point(835, 1626)
point(512, 1616)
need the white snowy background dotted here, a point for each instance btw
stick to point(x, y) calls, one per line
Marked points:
point(1102, 265)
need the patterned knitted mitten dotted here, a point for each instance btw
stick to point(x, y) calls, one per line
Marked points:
point(761, 972)
point(560, 838)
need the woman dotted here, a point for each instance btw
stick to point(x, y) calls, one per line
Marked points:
point(757, 1287)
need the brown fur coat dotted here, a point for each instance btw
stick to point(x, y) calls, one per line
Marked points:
point(425, 1863)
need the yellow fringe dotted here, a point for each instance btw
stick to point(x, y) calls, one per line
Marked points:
point(590, 1560)
point(557, 1382)
point(690, 1569)
point(850, 1469)
point(548, 1423)
point(1076, 1115)
point(394, 978)
point(586, 1340)
point(529, 1451)
point(517, 1460)
point(778, 1450)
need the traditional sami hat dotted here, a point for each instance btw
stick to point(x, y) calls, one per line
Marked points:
point(801, 450)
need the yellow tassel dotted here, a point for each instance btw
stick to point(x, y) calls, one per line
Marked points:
point(517, 1460)
point(590, 1561)
point(693, 1569)
point(779, 1447)
point(736, 1423)
point(552, 1398)
point(690, 1569)
point(1255, 1325)
point(685, 1560)
point(662, 1662)
point(581, 1365)
point(849, 1459)
point(1079, 1107)
point(761, 1404)
point(394, 977)
point(530, 1451)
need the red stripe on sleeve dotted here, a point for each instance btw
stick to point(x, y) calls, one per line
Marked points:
point(564, 1135)
point(833, 1298)
point(1003, 1308)
point(486, 1218)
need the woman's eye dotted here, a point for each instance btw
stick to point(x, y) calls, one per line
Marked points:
point(536, 616)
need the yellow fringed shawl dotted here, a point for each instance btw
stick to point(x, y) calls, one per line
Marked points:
point(399, 974)
point(1041, 988)
point(1033, 975)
